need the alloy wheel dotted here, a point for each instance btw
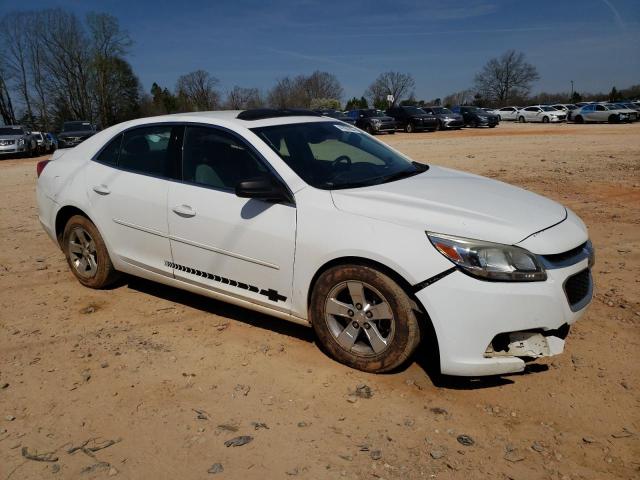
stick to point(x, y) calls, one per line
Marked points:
point(83, 252)
point(360, 318)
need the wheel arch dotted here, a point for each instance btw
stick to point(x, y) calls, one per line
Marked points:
point(428, 332)
point(62, 217)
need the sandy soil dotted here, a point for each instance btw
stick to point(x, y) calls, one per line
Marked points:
point(136, 364)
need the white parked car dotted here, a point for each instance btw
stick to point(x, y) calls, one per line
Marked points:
point(599, 112)
point(507, 113)
point(541, 113)
point(310, 219)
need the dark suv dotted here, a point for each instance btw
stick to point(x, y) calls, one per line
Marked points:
point(446, 118)
point(413, 119)
point(373, 121)
point(74, 133)
point(476, 117)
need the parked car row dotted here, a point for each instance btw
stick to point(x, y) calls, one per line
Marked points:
point(20, 140)
point(413, 119)
point(579, 113)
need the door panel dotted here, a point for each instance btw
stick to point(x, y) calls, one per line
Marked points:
point(130, 211)
point(237, 246)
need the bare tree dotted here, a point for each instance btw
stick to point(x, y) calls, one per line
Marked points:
point(287, 93)
point(243, 98)
point(506, 76)
point(13, 29)
point(6, 106)
point(463, 97)
point(197, 91)
point(390, 83)
point(321, 85)
point(112, 79)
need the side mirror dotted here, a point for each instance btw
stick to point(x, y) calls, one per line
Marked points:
point(263, 188)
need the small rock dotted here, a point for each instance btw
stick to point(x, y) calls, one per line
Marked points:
point(216, 468)
point(55, 468)
point(303, 424)
point(104, 364)
point(537, 446)
point(439, 411)
point(41, 267)
point(588, 440)
point(375, 454)
point(238, 441)
point(363, 391)
point(9, 418)
point(346, 457)
point(436, 454)
point(623, 434)
point(513, 455)
point(88, 310)
point(259, 425)
point(409, 422)
point(4, 386)
point(293, 472)
point(113, 472)
point(86, 375)
point(465, 440)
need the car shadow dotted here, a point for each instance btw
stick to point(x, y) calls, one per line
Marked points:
point(210, 305)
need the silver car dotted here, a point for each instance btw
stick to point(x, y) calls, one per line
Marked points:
point(43, 141)
point(597, 112)
point(17, 140)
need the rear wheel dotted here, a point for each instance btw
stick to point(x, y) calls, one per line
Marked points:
point(579, 119)
point(362, 318)
point(409, 128)
point(614, 119)
point(545, 119)
point(521, 119)
point(87, 253)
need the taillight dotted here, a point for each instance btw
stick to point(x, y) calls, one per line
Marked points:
point(40, 166)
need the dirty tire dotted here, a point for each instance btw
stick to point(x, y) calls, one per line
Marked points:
point(105, 273)
point(406, 336)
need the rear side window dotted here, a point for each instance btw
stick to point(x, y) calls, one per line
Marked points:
point(109, 155)
point(151, 150)
point(215, 158)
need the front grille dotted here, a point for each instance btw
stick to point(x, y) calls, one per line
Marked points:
point(4, 143)
point(577, 287)
point(564, 256)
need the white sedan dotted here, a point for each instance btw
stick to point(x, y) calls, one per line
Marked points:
point(311, 220)
point(541, 113)
point(598, 112)
point(507, 113)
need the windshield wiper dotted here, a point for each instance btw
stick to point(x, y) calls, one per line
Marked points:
point(419, 168)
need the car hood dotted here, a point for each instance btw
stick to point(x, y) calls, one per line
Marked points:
point(451, 202)
point(76, 133)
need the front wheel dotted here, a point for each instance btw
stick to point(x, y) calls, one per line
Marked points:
point(614, 119)
point(579, 119)
point(87, 253)
point(362, 318)
point(409, 128)
point(521, 119)
point(545, 119)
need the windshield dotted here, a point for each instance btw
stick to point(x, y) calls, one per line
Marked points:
point(330, 155)
point(549, 109)
point(76, 126)
point(11, 131)
point(373, 113)
point(441, 110)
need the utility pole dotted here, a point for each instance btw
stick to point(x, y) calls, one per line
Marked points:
point(571, 91)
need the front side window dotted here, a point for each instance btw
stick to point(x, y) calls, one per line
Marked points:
point(217, 159)
point(331, 155)
point(150, 150)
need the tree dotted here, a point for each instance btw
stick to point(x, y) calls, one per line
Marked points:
point(390, 83)
point(463, 97)
point(243, 98)
point(504, 77)
point(356, 103)
point(114, 84)
point(6, 105)
point(576, 97)
point(197, 91)
point(325, 104)
point(613, 95)
point(302, 90)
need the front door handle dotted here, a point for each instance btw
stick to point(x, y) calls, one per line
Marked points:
point(184, 211)
point(101, 189)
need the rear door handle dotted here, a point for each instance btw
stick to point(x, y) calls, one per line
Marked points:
point(184, 211)
point(101, 189)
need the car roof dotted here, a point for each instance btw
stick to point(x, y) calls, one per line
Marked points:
point(229, 118)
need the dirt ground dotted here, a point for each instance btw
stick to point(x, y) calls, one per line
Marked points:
point(170, 376)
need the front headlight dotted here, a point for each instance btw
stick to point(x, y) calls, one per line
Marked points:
point(375, 121)
point(21, 142)
point(489, 261)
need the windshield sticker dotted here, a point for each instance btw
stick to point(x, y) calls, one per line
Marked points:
point(347, 128)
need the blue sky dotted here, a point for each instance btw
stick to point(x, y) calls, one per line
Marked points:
point(442, 43)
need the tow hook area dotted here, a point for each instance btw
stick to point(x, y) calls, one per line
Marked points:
point(531, 344)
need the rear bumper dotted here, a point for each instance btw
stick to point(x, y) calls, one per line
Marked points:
point(468, 314)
